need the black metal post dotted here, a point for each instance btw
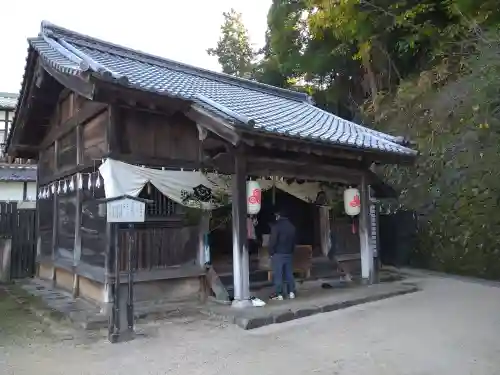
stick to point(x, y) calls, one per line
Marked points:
point(130, 301)
point(115, 315)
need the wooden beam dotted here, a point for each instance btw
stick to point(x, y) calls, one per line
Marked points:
point(311, 146)
point(66, 173)
point(304, 158)
point(79, 84)
point(214, 124)
point(110, 92)
point(153, 161)
point(27, 148)
point(32, 65)
point(296, 169)
point(112, 129)
point(153, 109)
point(290, 168)
point(281, 142)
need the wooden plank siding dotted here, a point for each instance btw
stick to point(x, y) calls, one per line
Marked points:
point(81, 133)
point(144, 135)
point(159, 245)
point(73, 143)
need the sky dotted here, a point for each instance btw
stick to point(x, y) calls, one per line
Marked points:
point(179, 30)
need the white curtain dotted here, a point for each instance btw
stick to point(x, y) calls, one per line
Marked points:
point(184, 187)
point(189, 188)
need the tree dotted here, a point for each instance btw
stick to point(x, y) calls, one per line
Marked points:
point(233, 50)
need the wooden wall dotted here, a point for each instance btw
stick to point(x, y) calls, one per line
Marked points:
point(153, 138)
point(75, 142)
point(73, 230)
point(75, 138)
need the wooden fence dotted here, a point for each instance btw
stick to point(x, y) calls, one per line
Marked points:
point(159, 245)
point(19, 226)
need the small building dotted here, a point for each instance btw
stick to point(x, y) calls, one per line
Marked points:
point(17, 176)
point(105, 121)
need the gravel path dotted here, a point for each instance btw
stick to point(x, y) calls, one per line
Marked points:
point(451, 327)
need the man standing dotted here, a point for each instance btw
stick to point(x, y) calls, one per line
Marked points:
point(281, 248)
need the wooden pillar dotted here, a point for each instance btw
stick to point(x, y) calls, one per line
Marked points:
point(240, 245)
point(55, 215)
point(37, 205)
point(112, 230)
point(324, 224)
point(79, 196)
point(204, 229)
point(77, 253)
point(367, 264)
point(77, 250)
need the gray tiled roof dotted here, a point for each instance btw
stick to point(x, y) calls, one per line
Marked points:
point(270, 109)
point(14, 172)
point(8, 100)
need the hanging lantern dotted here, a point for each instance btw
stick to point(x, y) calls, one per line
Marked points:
point(254, 194)
point(65, 187)
point(71, 185)
point(98, 181)
point(89, 185)
point(352, 202)
point(80, 181)
point(59, 187)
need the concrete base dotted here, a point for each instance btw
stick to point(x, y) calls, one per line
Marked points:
point(60, 304)
point(241, 304)
point(172, 289)
point(311, 299)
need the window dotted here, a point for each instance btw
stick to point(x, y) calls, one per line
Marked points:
point(46, 225)
point(66, 215)
point(93, 226)
point(6, 118)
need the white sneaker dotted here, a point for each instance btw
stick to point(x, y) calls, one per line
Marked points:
point(291, 295)
point(347, 278)
point(277, 298)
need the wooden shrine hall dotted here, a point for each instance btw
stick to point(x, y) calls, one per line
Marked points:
point(103, 120)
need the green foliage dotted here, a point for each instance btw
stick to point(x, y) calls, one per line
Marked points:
point(453, 113)
point(419, 68)
point(233, 50)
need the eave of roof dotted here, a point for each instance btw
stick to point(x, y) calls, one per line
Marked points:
point(8, 100)
point(247, 104)
point(18, 172)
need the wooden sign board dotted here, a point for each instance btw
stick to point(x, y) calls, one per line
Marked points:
point(125, 210)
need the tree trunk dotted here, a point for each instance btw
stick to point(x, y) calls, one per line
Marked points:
point(369, 74)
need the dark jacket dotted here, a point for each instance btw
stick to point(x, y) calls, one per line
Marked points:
point(282, 239)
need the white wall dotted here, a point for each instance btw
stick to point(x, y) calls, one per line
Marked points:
point(13, 190)
point(31, 191)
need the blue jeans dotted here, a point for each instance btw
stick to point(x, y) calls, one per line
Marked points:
point(283, 272)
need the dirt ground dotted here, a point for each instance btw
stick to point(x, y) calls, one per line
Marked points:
point(449, 328)
point(17, 324)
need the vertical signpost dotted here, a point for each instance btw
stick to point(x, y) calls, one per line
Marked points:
point(123, 210)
